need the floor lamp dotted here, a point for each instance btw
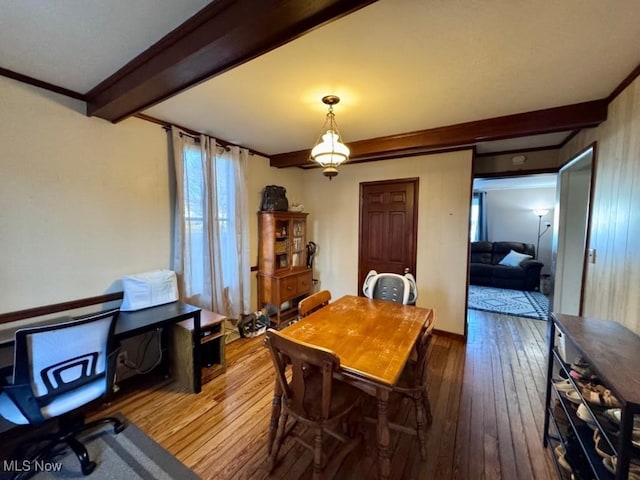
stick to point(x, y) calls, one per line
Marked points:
point(540, 214)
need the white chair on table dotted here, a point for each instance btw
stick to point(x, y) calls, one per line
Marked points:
point(392, 287)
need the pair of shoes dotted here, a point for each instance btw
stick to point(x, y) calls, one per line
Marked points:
point(599, 395)
point(614, 415)
point(582, 370)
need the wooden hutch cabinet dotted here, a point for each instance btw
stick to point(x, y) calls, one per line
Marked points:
point(283, 275)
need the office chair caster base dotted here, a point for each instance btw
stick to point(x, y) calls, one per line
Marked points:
point(119, 428)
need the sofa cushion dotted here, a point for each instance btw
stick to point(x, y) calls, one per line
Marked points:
point(503, 271)
point(501, 250)
point(514, 259)
point(481, 252)
point(481, 270)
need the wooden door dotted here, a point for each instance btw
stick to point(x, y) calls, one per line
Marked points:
point(388, 227)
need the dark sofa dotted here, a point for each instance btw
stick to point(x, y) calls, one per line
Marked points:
point(484, 268)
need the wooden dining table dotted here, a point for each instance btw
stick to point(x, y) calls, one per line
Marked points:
point(373, 340)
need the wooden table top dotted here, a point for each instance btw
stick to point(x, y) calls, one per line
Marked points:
point(372, 338)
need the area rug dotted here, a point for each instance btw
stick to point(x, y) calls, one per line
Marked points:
point(509, 302)
point(130, 454)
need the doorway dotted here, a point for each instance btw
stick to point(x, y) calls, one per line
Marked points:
point(571, 239)
point(388, 227)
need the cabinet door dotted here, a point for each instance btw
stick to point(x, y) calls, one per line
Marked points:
point(282, 244)
point(299, 242)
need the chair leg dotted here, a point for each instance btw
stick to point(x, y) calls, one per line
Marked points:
point(317, 455)
point(427, 407)
point(118, 425)
point(86, 464)
point(277, 443)
point(420, 426)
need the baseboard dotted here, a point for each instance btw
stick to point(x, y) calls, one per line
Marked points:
point(442, 333)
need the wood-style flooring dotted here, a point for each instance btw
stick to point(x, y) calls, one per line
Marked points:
point(487, 400)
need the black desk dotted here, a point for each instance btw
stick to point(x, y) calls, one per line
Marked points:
point(130, 324)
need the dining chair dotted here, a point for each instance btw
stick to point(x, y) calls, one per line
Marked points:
point(392, 287)
point(314, 302)
point(58, 369)
point(312, 397)
point(413, 384)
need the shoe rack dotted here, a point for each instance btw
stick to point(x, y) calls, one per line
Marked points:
point(586, 434)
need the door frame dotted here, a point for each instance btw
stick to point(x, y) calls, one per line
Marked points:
point(414, 249)
point(574, 161)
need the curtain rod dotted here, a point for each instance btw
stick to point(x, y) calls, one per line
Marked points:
point(193, 134)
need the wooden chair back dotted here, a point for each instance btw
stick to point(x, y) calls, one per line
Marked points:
point(309, 364)
point(314, 302)
point(422, 347)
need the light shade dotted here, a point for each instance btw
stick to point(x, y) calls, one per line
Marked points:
point(329, 151)
point(540, 213)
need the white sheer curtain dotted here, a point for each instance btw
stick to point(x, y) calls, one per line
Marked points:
point(211, 249)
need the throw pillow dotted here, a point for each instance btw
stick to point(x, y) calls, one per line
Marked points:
point(514, 259)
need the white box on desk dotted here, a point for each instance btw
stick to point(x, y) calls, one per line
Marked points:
point(148, 289)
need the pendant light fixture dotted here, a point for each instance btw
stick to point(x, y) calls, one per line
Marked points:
point(329, 151)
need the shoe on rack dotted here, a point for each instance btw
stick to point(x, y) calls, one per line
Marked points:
point(560, 452)
point(599, 395)
point(582, 370)
point(563, 385)
point(583, 414)
point(615, 414)
point(573, 397)
point(634, 468)
point(601, 445)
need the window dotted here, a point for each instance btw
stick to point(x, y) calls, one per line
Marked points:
point(474, 231)
point(212, 245)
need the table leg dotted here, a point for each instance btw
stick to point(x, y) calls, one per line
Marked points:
point(276, 405)
point(197, 368)
point(384, 449)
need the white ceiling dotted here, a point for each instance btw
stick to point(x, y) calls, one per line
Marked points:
point(398, 65)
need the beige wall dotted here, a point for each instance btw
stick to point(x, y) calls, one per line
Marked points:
point(443, 228)
point(83, 201)
point(613, 282)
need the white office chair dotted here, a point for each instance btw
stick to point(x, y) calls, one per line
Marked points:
point(57, 369)
point(391, 287)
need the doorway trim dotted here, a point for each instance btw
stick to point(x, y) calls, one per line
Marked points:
point(572, 162)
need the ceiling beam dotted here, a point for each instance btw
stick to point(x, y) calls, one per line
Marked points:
point(550, 120)
point(223, 35)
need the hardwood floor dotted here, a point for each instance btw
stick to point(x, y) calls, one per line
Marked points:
point(487, 400)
